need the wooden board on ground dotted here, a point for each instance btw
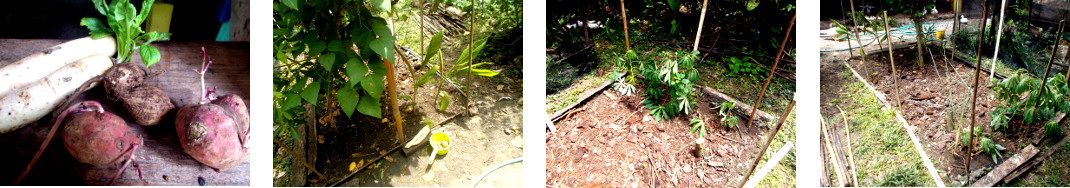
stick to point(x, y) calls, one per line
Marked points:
point(161, 158)
point(1003, 169)
point(1035, 161)
point(743, 109)
point(560, 113)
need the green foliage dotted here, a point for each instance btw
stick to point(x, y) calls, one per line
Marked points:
point(1019, 95)
point(669, 85)
point(990, 147)
point(1052, 129)
point(698, 125)
point(726, 114)
point(743, 67)
point(125, 23)
point(311, 44)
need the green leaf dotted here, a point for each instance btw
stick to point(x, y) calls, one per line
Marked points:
point(292, 100)
point(752, 4)
point(311, 93)
point(369, 106)
point(97, 28)
point(327, 61)
point(146, 6)
point(434, 6)
point(374, 84)
point(433, 47)
point(290, 3)
point(356, 70)
point(443, 101)
point(336, 46)
point(427, 76)
point(348, 99)
point(382, 4)
point(315, 47)
point(384, 45)
point(149, 55)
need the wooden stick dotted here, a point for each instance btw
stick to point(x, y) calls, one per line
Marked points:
point(891, 58)
point(832, 154)
point(787, 33)
point(391, 86)
point(284, 147)
point(1044, 80)
point(471, 42)
point(624, 17)
point(973, 99)
point(1006, 167)
point(701, 18)
point(343, 180)
point(861, 49)
point(850, 152)
point(783, 151)
point(769, 138)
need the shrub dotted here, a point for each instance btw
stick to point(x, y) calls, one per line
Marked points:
point(669, 85)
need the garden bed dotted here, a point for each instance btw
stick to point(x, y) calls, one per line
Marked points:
point(611, 140)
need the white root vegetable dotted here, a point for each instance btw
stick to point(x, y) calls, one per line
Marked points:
point(34, 101)
point(34, 67)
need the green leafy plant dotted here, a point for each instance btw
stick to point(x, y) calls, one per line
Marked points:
point(124, 22)
point(726, 114)
point(1052, 129)
point(622, 86)
point(669, 85)
point(990, 147)
point(742, 67)
point(461, 66)
point(698, 125)
point(1022, 95)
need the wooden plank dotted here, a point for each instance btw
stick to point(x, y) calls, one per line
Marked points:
point(910, 129)
point(1036, 160)
point(161, 158)
point(742, 109)
point(1006, 167)
point(557, 115)
point(768, 166)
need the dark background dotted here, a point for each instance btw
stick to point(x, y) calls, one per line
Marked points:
point(192, 20)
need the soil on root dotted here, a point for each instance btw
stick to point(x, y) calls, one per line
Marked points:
point(935, 98)
point(612, 141)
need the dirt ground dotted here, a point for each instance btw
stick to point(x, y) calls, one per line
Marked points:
point(926, 104)
point(480, 142)
point(612, 141)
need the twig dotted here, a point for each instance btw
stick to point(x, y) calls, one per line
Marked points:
point(891, 58)
point(343, 180)
point(787, 34)
point(768, 139)
point(850, 155)
point(973, 99)
point(302, 159)
point(729, 139)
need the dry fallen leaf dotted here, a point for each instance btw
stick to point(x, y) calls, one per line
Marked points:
point(352, 166)
point(382, 152)
point(518, 141)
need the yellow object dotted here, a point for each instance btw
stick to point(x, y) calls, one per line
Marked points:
point(441, 142)
point(940, 35)
point(353, 166)
point(160, 17)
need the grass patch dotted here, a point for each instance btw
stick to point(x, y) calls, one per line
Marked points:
point(883, 152)
point(783, 175)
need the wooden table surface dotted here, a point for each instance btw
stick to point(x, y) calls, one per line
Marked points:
point(161, 158)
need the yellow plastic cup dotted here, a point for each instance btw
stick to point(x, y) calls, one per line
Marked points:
point(441, 143)
point(940, 35)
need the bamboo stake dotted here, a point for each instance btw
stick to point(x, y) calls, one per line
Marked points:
point(832, 154)
point(391, 85)
point(419, 15)
point(855, 18)
point(299, 158)
point(850, 152)
point(849, 47)
point(973, 99)
point(624, 17)
point(1044, 80)
point(791, 24)
point(891, 58)
point(471, 54)
point(999, 33)
point(768, 140)
point(701, 19)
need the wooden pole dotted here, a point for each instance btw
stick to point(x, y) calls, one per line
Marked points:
point(855, 18)
point(1044, 80)
point(999, 33)
point(299, 158)
point(787, 33)
point(849, 47)
point(891, 58)
point(471, 55)
point(973, 99)
point(701, 19)
point(768, 140)
point(627, 44)
point(835, 156)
